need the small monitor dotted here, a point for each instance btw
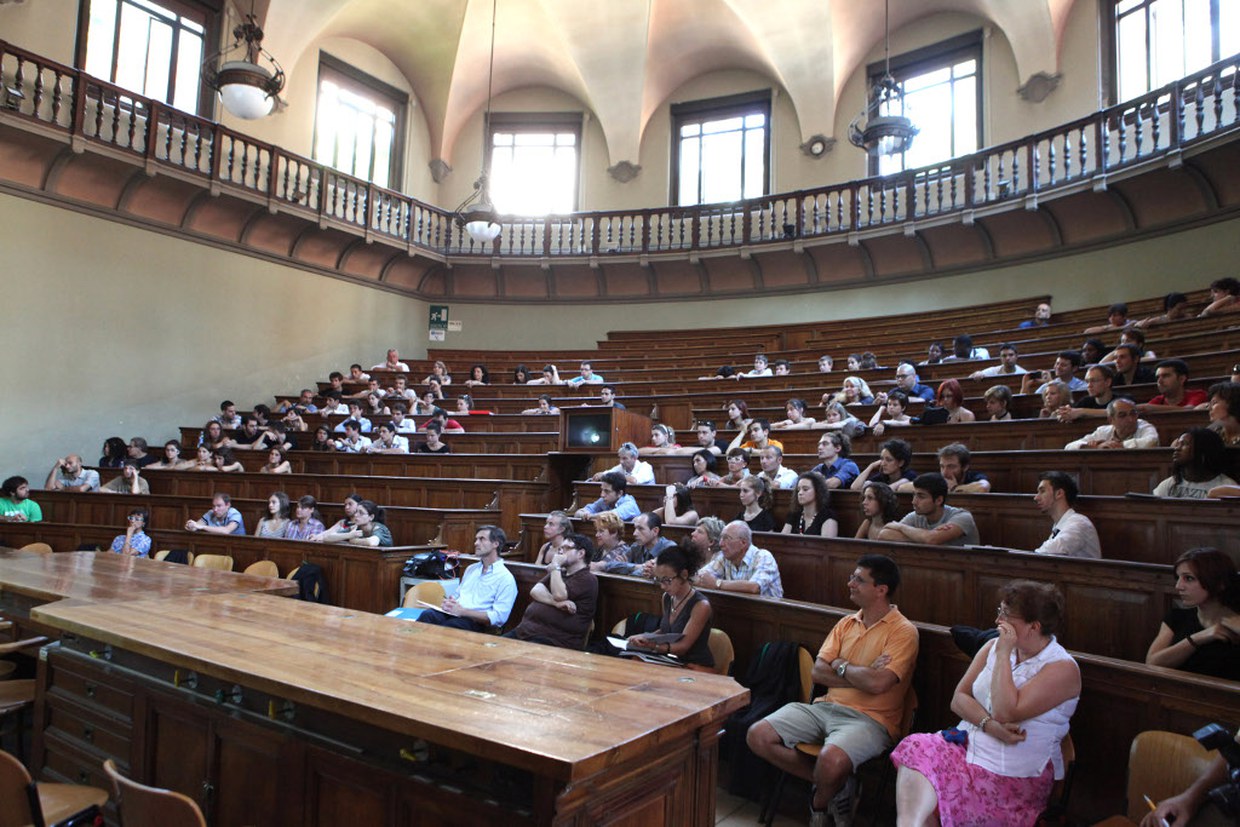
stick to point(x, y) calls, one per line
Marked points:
point(589, 430)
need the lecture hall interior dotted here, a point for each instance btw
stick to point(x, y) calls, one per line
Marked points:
point(678, 186)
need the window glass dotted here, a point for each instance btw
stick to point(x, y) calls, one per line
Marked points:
point(1159, 41)
point(534, 163)
point(723, 153)
point(358, 124)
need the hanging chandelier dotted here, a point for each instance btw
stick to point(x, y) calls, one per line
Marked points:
point(476, 213)
point(883, 127)
point(247, 88)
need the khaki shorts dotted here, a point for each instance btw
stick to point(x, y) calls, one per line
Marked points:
point(858, 735)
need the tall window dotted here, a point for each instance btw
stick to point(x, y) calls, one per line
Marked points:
point(359, 124)
point(721, 149)
point(1159, 41)
point(153, 49)
point(534, 162)
point(943, 95)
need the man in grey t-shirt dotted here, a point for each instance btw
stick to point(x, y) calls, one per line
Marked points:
point(932, 521)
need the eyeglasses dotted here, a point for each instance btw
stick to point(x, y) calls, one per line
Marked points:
point(1004, 612)
point(667, 581)
point(858, 579)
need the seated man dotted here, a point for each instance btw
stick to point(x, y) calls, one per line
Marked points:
point(1171, 376)
point(129, 482)
point(1124, 429)
point(1007, 364)
point(648, 543)
point(771, 458)
point(760, 436)
point(137, 452)
point(782, 367)
point(1224, 297)
point(1195, 807)
point(246, 439)
point(932, 521)
point(637, 472)
point(1175, 308)
point(740, 566)
point(1099, 380)
point(450, 426)
point(607, 397)
point(1072, 534)
point(303, 405)
point(833, 451)
point(353, 442)
point(866, 663)
point(1041, 317)
point(1066, 365)
point(403, 424)
point(963, 349)
point(221, 519)
point(333, 404)
point(707, 439)
point(954, 467)
point(1198, 462)
point(825, 363)
point(488, 589)
point(275, 435)
point(1128, 367)
point(336, 378)
point(69, 475)
point(356, 374)
point(761, 369)
point(587, 376)
point(545, 407)
point(433, 444)
point(400, 390)
point(388, 441)
point(562, 604)
point(908, 381)
point(1117, 319)
point(614, 499)
point(227, 417)
point(393, 362)
point(15, 503)
point(372, 386)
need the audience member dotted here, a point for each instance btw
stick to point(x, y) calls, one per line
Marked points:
point(221, 519)
point(246, 438)
point(796, 418)
point(276, 521)
point(853, 363)
point(1099, 380)
point(335, 380)
point(635, 471)
point(353, 442)
point(1224, 409)
point(1117, 319)
point(393, 362)
point(963, 350)
point(662, 441)
point(1128, 367)
point(562, 604)
point(130, 481)
point(782, 367)
point(1072, 533)
point(402, 423)
point(277, 463)
point(838, 470)
point(450, 426)
point(1175, 308)
point(760, 369)
point(1224, 297)
point(356, 374)
point(1055, 397)
point(1194, 806)
point(738, 467)
point(1198, 459)
point(738, 418)
point(685, 610)
point(545, 407)
point(439, 373)
point(365, 529)
point(878, 508)
point(556, 527)
point(1203, 636)
point(138, 454)
point(205, 460)
point(1123, 429)
point(740, 566)
point(478, 375)
point(954, 467)
point(613, 499)
point(1066, 365)
point(907, 381)
point(1015, 702)
point(293, 422)
point(838, 418)
point(932, 521)
point(226, 462)
point(607, 397)
point(134, 542)
point(648, 543)
point(228, 416)
point(755, 496)
point(275, 435)
point(893, 412)
point(811, 512)
point(867, 665)
point(771, 458)
point(934, 354)
point(306, 522)
point(891, 467)
point(869, 361)
point(608, 540)
point(1092, 351)
point(521, 375)
point(1041, 317)
point(677, 508)
point(550, 376)
point(825, 363)
point(322, 439)
point(433, 443)
point(587, 376)
point(15, 503)
point(707, 439)
point(997, 399)
point(114, 452)
point(950, 397)
point(1171, 377)
point(706, 536)
point(855, 391)
point(333, 404)
point(303, 405)
point(388, 441)
point(487, 593)
point(172, 458)
point(371, 386)
point(465, 407)
point(364, 425)
point(760, 436)
point(345, 523)
point(67, 474)
point(704, 463)
point(1007, 364)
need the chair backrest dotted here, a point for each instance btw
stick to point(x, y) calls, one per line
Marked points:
point(219, 562)
point(263, 568)
point(910, 712)
point(162, 554)
point(38, 548)
point(721, 648)
point(428, 591)
point(805, 665)
point(1162, 764)
point(143, 806)
point(14, 792)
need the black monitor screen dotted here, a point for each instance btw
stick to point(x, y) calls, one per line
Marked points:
point(589, 430)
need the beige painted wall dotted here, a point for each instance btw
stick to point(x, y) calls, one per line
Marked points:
point(127, 332)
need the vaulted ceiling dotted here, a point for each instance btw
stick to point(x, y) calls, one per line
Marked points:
point(623, 58)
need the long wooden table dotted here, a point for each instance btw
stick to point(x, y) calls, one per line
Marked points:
point(291, 713)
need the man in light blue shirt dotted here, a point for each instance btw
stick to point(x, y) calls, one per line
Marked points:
point(488, 589)
point(587, 377)
point(221, 519)
point(614, 499)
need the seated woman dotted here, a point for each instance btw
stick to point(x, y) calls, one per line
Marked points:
point(704, 463)
point(811, 508)
point(212, 436)
point(277, 463)
point(429, 401)
point(114, 452)
point(685, 610)
point(1198, 461)
point(205, 461)
point(478, 375)
point(322, 439)
point(796, 418)
point(1204, 636)
point(555, 529)
point(306, 522)
point(738, 467)
point(545, 407)
point(550, 376)
point(998, 399)
point(662, 441)
point(878, 507)
point(738, 418)
point(892, 413)
point(134, 542)
point(226, 462)
point(520, 375)
point(1015, 702)
point(365, 529)
point(950, 397)
point(172, 458)
point(755, 497)
point(1055, 395)
point(344, 523)
point(372, 405)
point(855, 391)
point(433, 444)
point(465, 407)
point(891, 467)
point(677, 508)
point(609, 545)
point(836, 417)
point(276, 521)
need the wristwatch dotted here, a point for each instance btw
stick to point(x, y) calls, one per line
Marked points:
point(841, 669)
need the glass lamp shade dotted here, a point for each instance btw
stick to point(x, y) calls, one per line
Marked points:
point(483, 230)
point(244, 89)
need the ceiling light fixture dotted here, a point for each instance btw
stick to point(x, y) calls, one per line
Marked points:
point(476, 213)
point(887, 130)
point(247, 89)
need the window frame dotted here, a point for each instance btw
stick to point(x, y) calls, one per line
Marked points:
point(359, 82)
point(536, 122)
point(939, 55)
point(716, 109)
point(1109, 28)
point(208, 13)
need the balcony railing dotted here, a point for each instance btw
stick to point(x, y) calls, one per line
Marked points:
point(1160, 124)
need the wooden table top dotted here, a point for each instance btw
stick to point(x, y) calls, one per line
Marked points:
point(94, 576)
point(552, 711)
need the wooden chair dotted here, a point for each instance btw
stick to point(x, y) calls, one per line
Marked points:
point(1160, 765)
point(721, 649)
point(163, 553)
point(143, 806)
point(38, 548)
point(218, 562)
point(427, 591)
point(15, 698)
point(1057, 802)
point(23, 802)
point(263, 568)
point(805, 670)
point(292, 575)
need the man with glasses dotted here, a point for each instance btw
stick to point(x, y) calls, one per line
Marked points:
point(1099, 381)
point(907, 381)
point(562, 604)
point(1124, 429)
point(867, 665)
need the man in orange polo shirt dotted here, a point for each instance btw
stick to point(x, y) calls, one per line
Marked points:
point(867, 664)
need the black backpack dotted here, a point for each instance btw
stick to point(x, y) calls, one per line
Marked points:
point(773, 679)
